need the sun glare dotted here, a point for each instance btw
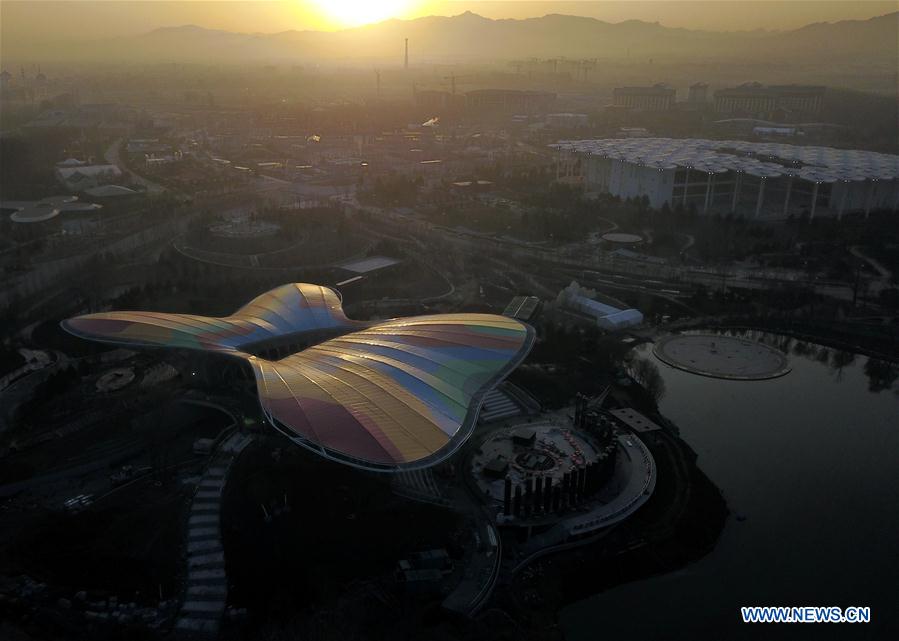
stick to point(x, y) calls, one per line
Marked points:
point(352, 13)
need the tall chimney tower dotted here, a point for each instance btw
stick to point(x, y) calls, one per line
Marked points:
point(406, 60)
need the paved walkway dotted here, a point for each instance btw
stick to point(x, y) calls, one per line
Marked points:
point(207, 585)
point(419, 485)
point(34, 360)
point(480, 575)
point(857, 251)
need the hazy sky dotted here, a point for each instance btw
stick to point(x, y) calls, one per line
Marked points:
point(44, 20)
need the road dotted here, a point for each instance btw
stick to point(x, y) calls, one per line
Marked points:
point(657, 279)
point(113, 157)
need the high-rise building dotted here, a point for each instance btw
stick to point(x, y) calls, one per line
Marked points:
point(699, 94)
point(775, 102)
point(658, 97)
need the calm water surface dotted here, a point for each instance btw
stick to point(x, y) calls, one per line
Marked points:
point(811, 460)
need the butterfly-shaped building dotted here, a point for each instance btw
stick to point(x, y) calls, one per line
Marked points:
point(391, 395)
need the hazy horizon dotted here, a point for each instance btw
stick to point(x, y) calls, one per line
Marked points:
point(51, 20)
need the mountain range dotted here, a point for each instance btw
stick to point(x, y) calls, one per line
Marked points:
point(470, 37)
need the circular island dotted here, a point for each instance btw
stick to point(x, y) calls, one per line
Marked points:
point(724, 357)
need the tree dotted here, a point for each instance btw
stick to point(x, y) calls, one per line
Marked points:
point(881, 374)
point(647, 374)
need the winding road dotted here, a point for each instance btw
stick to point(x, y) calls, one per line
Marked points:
point(113, 157)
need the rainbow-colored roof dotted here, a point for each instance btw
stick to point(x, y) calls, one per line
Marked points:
point(395, 394)
point(289, 309)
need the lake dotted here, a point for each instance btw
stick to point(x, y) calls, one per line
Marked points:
point(810, 462)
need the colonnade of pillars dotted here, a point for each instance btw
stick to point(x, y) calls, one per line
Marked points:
point(760, 198)
point(570, 166)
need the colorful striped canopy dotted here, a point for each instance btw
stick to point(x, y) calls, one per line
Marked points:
point(395, 394)
point(289, 309)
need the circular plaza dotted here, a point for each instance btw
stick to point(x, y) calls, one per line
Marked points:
point(518, 453)
point(244, 227)
point(622, 238)
point(723, 357)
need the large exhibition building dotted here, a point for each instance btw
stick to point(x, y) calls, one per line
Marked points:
point(391, 395)
point(768, 181)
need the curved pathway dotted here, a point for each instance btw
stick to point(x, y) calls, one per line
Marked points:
point(251, 261)
point(112, 155)
point(858, 252)
point(206, 589)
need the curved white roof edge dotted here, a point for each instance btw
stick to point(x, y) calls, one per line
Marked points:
point(769, 160)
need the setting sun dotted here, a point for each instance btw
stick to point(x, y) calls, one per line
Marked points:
point(352, 13)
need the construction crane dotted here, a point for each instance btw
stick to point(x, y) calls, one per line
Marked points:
point(453, 78)
point(587, 66)
point(581, 67)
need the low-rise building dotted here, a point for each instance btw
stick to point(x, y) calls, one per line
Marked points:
point(580, 300)
point(81, 177)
